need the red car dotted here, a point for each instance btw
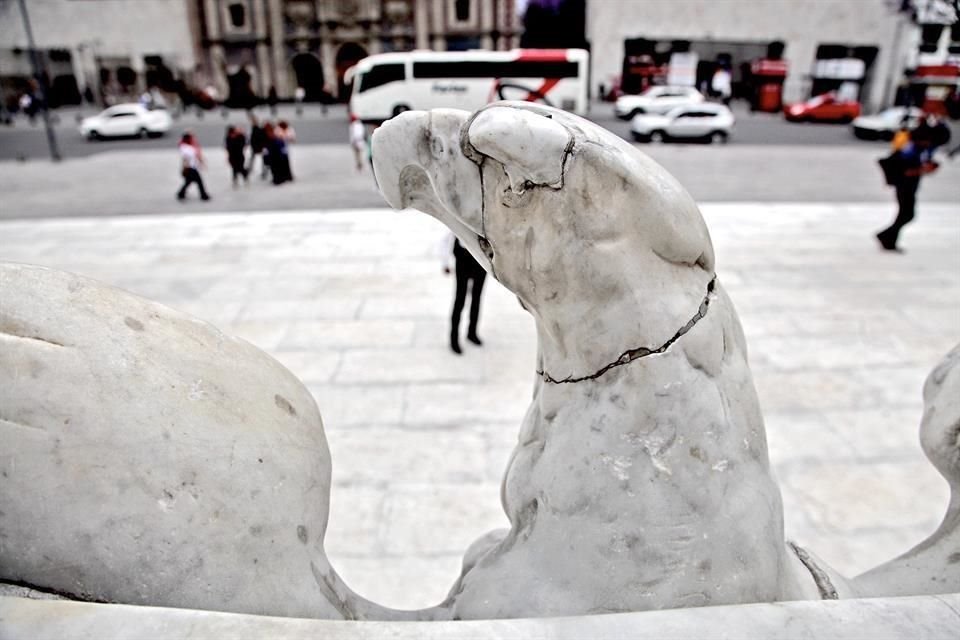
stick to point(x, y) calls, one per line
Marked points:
point(823, 108)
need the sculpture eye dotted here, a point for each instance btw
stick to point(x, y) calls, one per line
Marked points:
point(512, 199)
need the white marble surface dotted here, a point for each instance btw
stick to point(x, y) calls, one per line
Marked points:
point(641, 474)
point(149, 458)
point(841, 337)
point(928, 617)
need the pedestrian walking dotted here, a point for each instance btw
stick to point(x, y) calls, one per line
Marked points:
point(914, 160)
point(721, 85)
point(236, 145)
point(276, 154)
point(258, 144)
point(283, 137)
point(468, 272)
point(299, 94)
point(358, 141)
point(191, 161)
point(272, 100)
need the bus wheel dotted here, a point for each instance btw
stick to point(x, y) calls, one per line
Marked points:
point(400, 108)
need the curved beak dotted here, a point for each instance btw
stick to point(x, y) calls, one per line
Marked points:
point(418, 163)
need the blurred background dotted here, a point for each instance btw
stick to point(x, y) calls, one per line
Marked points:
point(202, 60)
point(772, 113)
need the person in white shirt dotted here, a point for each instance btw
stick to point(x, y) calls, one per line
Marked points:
point(191, 161)
point(358, 140)
point(722, 85)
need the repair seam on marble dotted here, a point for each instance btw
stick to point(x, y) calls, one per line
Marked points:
point(630, 355)
point(820, 577)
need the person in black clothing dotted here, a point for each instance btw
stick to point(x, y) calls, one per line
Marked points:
point(258, 141)
point(468, 270)
point(915, 162)
point(236, 145)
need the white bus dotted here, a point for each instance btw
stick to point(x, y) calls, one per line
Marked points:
point(390, 83)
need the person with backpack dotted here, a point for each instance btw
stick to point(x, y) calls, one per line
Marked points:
point(905, 168)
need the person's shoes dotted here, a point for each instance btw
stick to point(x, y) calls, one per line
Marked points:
point(472, 337)
point(204, 198)
point(455, 347)
point(886, 244)
point(181, 197)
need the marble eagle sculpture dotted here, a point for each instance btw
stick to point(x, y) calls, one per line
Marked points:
point(150, 459)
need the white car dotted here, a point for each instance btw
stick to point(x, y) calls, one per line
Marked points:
point(882, 126)
point(656, 100)
point(126, 120)
point(706, 121)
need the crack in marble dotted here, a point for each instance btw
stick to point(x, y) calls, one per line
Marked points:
point(630, 355)
point(820, 577)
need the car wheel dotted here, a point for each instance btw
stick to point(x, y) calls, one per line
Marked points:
point(93, 135)
point(634, 113)
point(400, 108)
point(657, 137)
point(718, 137)
point(143, 133)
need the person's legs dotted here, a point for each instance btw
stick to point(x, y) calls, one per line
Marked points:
point(907, 201)
point(199, 181)
point(476, 290)
point(458, 301)
point(186, 183)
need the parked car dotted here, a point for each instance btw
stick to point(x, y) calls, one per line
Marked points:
point(823, 108)
point(707, 121)
point(882, 126)
point(658, 99)
point(126, 120)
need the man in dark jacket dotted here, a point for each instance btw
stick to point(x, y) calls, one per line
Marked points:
point(468, 270)
point(915, 162)
point(258, 140)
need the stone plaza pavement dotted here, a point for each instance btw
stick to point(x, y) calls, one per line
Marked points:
point(841, 337)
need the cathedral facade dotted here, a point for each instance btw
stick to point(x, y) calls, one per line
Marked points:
point(272, 48)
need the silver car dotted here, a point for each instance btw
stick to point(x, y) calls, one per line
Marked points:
point(126, 120)
point(882, 126)
point(659, 99)
point(707, 121)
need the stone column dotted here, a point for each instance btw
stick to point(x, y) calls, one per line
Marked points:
point(78, 64)
point(421, 21)
point(437, 26)
point(136, 63)
point(264, 72)
point(487, 22)
point(278, 48)
point(327, 56)
point(215, 57)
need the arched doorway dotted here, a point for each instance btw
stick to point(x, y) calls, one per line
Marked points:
point(348, 55)
point(309, 75)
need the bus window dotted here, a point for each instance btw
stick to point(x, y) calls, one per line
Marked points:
point(381, 74)
point(480, 69)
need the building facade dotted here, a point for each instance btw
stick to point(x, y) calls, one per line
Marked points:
point(279, 46)
point(861, 46)
point(234, 50)
point(94, 46)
